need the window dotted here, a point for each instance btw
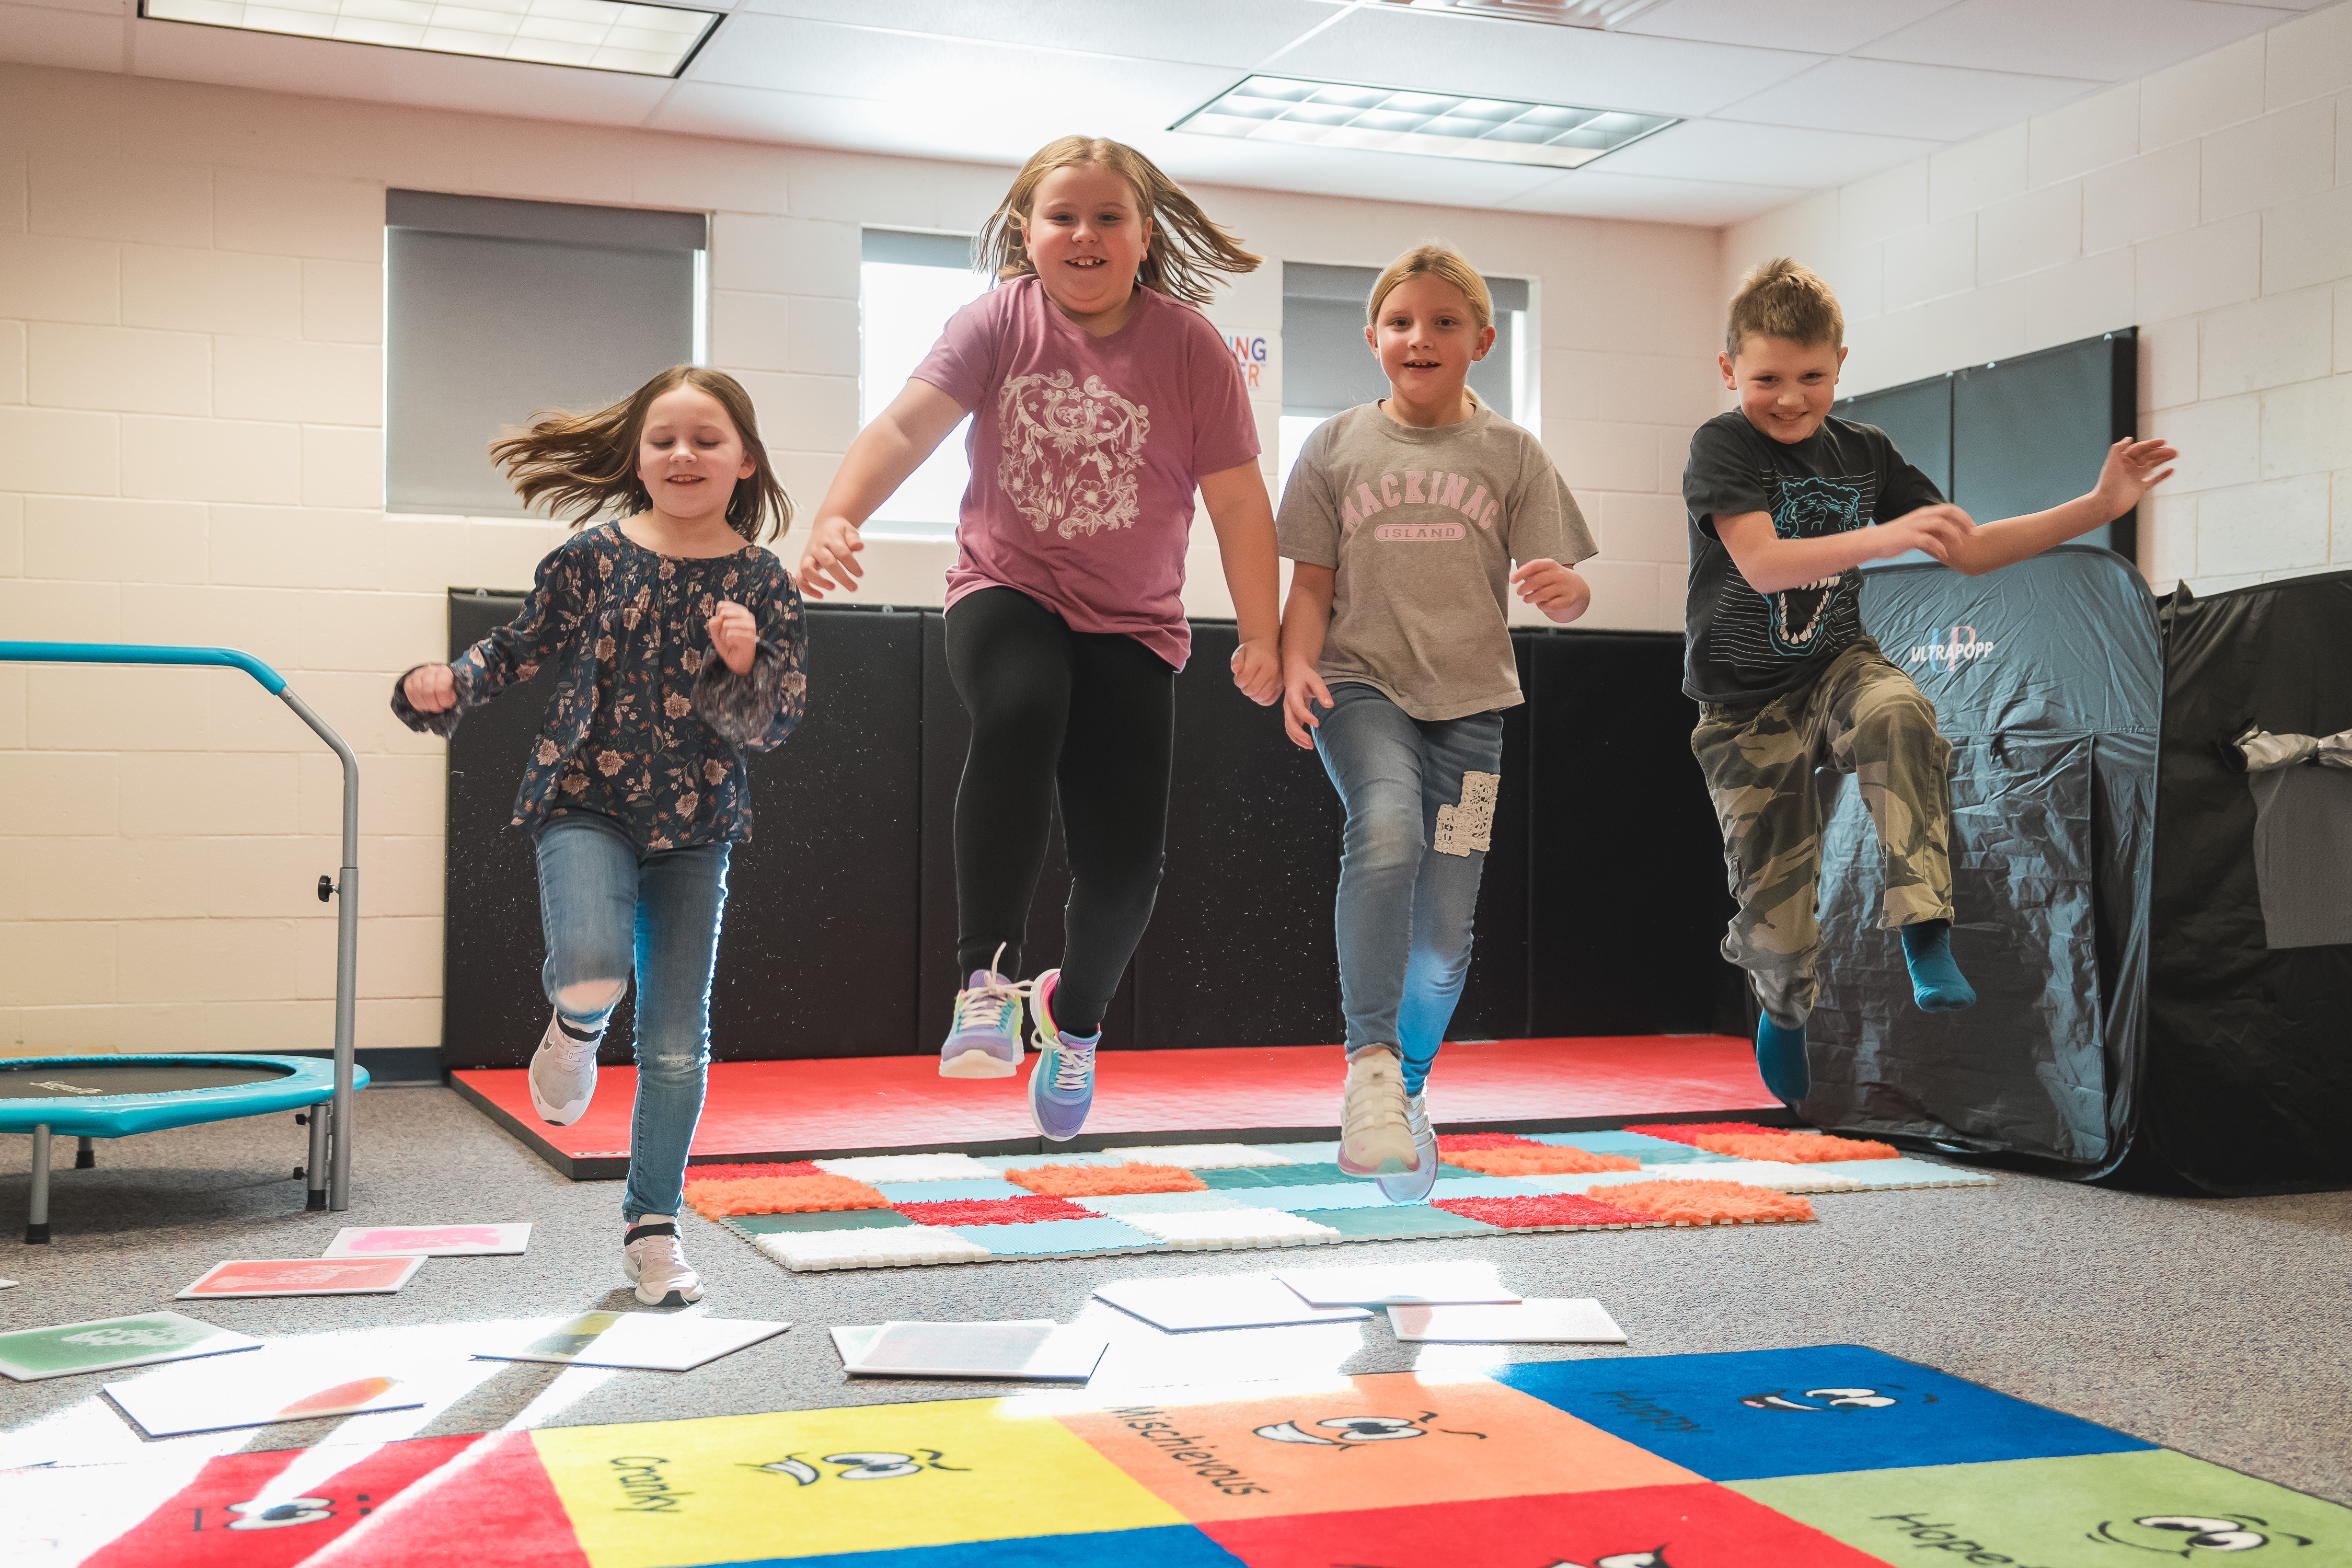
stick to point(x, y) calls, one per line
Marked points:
point(1326, 367)
point(909, 284)
point(494, 309)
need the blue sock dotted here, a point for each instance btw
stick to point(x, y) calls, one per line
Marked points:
point(1781, 1058)
point(1937, 982)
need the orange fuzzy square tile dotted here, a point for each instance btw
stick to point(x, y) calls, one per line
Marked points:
point(782, 1195)
point(1105, 1181)
point(1795, 1147)
point(1706, 1202)
point(1538, 1160)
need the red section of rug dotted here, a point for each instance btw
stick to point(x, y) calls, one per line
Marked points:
point(1547, 1209)
point(995, 1211)
point(901, 1102)
point(1691, 1131)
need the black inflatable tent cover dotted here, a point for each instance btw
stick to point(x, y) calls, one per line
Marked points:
point(2047, 679)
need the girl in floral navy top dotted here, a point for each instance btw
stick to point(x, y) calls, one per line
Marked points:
point(679, 643)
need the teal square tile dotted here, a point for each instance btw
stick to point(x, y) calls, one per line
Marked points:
point(1396, 1220)
point(1353, 1194)
point(1049, 1237)
point(1308, 1176)
point(828, 1219)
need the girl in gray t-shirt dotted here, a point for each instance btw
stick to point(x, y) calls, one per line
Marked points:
point(1403, 518)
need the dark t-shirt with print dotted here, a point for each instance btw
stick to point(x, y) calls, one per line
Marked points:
point(1740, 644)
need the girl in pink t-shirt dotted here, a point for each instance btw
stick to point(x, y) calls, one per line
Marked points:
point(1100, 400)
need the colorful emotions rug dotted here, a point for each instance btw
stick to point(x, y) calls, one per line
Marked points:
point(897, 1210)
point(1830, 1457)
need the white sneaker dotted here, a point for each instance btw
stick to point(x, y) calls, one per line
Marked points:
point(1375, 1137)
point(656, 1263)
point(563, 1075)
point(1414, 1186)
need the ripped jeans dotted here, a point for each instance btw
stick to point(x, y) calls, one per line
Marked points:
point(609, 909)
point(1420, 798)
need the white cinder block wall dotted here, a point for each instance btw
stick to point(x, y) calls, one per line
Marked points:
point(190, 330)
point(2209, 205)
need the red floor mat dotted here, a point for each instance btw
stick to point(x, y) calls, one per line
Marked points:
point(875, 1105)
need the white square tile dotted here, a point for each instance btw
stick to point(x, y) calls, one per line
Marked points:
point(1231, 1229)
point(872, 1168)
point(805, 1251)
point(1203, 1156)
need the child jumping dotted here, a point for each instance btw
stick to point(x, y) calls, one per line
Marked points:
point(1402, 517)
point(1100, 399)
point(1780, 492)
point(678, 643)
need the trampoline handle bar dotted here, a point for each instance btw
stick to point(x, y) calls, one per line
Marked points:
point(347, 883)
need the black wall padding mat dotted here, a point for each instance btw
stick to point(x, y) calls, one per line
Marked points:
point(2250, 1048)
point(818, 953)
point(1626, 903)
point(2046, 678)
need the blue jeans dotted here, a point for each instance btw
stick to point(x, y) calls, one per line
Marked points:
point(1410, 860)
point(610, 908)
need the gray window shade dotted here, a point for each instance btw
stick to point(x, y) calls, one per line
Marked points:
point(908, 248)
point(1325, 364)
point(496, 310)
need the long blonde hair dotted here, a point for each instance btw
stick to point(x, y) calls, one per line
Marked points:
point(1439, 260)
point(1186, 247)
point(587, 463)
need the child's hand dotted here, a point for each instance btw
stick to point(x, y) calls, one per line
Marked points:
point(1258, 671)
point(1941, 531)
point(2130, 473)
point(735, 635)
point(1302, 687)
point(831, 559)
point(1553, 588)
point(430, 689)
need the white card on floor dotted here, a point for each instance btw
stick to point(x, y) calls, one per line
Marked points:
point(1236, 1301)
point(213, 1399)
point(1029, 1348)
point(651, 1342)
point(1542, 1322)
point(428, 1241)
point(7, 1284)
point(1397, 1285)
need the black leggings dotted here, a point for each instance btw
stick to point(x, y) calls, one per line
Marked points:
point(1094, 711)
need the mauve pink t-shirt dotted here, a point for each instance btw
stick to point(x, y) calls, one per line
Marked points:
point(1085, 454)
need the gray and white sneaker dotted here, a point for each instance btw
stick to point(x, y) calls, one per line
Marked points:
point(656, 1263)
point(1414, 1186)
point(1375, 1140)
point(563, 1075)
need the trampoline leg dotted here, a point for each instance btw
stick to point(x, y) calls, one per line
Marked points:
point(37, 1223)
point(314, 1170)
point(86, 1156)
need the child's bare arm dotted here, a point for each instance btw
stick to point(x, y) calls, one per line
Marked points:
point(1305, 622)
point(878, 461)
point(1771, 564)
point(2127, 475)
point(1243, 519)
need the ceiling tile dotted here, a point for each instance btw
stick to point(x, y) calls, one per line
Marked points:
point(1391, 47)
point(2101, 40)
point(1236, 34)
point(1591, 192)
point(1827, 26)
point(1937, 103)
point(1764, 154)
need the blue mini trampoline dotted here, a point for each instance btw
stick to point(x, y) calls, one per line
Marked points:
point(92, 1096)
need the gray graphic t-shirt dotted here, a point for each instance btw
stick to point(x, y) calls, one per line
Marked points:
point(1740, 644)
point(1420, 528)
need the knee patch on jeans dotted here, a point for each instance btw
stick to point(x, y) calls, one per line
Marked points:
point(1467, 827)
point(592, 998)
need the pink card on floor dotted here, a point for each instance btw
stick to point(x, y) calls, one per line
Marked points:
point(428, 1241)
point(305, 1277)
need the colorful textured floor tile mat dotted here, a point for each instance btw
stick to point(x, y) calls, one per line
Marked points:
point(897, 1210)
point(1830, 1457)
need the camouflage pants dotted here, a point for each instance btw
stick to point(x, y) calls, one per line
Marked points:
point(1772, 769)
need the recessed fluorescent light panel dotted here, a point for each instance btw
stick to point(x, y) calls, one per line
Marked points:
point(1388, 119)
point(595, 35)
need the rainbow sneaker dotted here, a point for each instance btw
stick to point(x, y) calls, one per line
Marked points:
point(1062, 1087)
point(984, 1038)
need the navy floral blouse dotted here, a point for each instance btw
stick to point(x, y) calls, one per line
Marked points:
point(647, 725)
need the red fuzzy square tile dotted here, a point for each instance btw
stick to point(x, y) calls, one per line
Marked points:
point(1797, 1149)
point(1702, 1202)
point(1461, 1142)
point(995, 1211)
point(1540, 1160)
point(1689, 1131)
point(820, 1193)
point(754, 1172)
point(1544, 1209)
point(1104, 1181)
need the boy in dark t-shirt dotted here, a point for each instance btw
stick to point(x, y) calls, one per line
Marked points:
point(1782, 497)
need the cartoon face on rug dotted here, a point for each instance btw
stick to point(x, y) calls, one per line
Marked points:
point(1652, 1559)
point(874, 1466)
point(1810, 508)
point(1830, 1399)
point(1342, 1431)
point(2190, 1535)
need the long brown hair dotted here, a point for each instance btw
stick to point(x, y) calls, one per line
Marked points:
point(587, 463)
point(1186, 248)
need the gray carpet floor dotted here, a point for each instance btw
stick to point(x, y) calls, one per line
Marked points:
point(2221, 1328)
